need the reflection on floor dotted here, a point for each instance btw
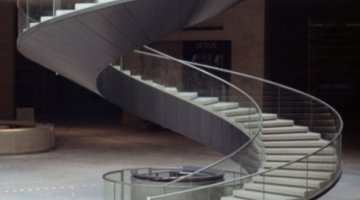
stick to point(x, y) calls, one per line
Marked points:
point(88, 148)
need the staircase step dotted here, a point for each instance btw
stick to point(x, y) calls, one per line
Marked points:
point(206, 100)
point(45, 18)
point(291, 129)
point(33, 24)
point(138, 77)
point(270, 123)
point(188, 95)
point(299, 182)
point(255, 117)
point(298, 151)
point(254, 195)
point(309, 174)
point(127, 72)
point(79, 6)
point(151, 83)
point(305, 143)
point(313, 158)
point(105, 1)
point(231, 198)
point(310, 166)
point(291, 136)
point(223, 106)
point(117, 67)
point(277, 189)
point(172, 90)
point(239, 111)
point(63, 12)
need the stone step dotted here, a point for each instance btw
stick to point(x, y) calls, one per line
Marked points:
point(291, 129)
point(313, 158)
point(300, 174)
point(255, 195)
point(188, 95)
point(45, 18)
point(63, 12)
point(297, 143)
point(255, 117)
point(238, 111)
point(138, 77)
point(80, 6)
point(172, 90)
point(270, 123)
point(231, 198)
point(219, 106)
point(310, 166)
point(127, 72)
point(278, 189)
point(298, 182)
point(292, 136)
point(298, 151)
point(104, 1)
point(205, 100)
point(32, 24)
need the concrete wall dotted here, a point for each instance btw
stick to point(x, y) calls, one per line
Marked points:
point(7, 59)
point(244, 26)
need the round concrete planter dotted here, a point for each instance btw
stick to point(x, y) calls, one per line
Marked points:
point(18, 138)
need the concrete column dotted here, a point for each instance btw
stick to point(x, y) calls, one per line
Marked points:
point(7, 58)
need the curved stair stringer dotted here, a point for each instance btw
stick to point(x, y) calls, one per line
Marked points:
point(80, 44)
point(181, 113)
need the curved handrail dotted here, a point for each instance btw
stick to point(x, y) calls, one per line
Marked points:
point(337, 136)
point(23, 13)
point(257, 132)
point(161, 55)
point(107, 179)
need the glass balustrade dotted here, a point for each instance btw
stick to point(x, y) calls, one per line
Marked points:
point(171, 76)
point(256, 98)
point(318, 167)
point(33, 12)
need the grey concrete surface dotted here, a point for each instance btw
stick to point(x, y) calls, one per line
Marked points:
point(348, 187)
point(87, 149)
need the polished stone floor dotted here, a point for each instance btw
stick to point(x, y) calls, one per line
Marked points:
point(88, 148)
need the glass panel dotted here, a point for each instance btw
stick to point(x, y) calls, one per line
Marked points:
point(33, 12)
point(309, 115)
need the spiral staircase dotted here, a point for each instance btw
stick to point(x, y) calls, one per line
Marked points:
point(284, 143)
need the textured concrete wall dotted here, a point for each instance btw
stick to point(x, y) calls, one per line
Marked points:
point(244, 26)
point(7, 58)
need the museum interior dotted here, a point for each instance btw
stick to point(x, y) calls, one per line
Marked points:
point(142, 118)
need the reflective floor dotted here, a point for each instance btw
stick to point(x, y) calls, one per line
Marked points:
point(88, 148)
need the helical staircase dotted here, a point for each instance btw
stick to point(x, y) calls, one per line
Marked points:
point(278, 142)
